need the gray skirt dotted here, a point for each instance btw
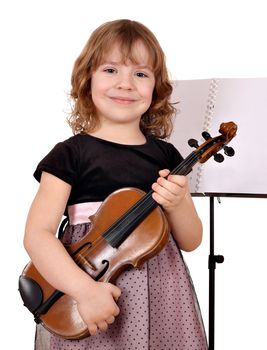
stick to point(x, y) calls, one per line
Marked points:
point(158, 308)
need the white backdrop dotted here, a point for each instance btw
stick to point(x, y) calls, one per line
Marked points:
point(202, 39)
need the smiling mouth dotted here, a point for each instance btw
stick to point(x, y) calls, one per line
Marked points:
point(122, 100)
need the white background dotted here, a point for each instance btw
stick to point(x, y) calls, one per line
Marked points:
point(202, 39)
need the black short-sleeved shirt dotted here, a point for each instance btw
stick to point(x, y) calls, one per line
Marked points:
point(95, 167)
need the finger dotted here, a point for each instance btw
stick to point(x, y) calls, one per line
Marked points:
point(174, 183)
point(116, 292)
point(166, 188)
point(92, 329)
point(178, 179)
point(102, 326)
point(164, 172)
point(116, 311)
point(110, 320)
point(160, 199)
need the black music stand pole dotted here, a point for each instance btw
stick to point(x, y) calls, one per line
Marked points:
point(213, 259)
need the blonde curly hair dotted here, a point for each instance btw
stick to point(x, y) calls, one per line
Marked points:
point(157, 120)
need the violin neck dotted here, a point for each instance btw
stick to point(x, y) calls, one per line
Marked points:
point(185, 167)
point(122, 228)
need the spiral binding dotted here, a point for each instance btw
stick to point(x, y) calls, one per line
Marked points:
point(209, 112)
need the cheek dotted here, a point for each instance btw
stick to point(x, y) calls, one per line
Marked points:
point(97, 90)
point(149, 94)
point(95, 85)
point(148, 91)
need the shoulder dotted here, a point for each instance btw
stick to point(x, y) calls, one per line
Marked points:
point(74, 141)
point(168, 150)
point(72, 146)
point(164, 145)
point(63, 160)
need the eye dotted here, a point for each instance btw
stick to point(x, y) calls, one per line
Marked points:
point(109, 70)
point(141, 75)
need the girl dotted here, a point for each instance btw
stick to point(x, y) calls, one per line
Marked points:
point(121, 112)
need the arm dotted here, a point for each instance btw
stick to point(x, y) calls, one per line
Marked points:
point(172, 192)
point(55, 264)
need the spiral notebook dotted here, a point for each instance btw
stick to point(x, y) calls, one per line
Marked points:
point(202, 106)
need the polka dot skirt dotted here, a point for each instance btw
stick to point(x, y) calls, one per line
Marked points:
point(158, 308)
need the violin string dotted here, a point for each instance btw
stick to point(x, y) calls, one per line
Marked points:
point(144, 203)
point(192, 157)
point(147, 201)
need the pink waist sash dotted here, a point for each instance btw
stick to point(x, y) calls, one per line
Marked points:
point(79, 213)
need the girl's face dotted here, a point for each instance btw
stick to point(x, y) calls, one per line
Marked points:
point(122, 92)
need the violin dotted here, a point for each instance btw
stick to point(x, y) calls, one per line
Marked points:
point(128, 229)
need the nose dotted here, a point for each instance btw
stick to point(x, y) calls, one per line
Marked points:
point(125, 81)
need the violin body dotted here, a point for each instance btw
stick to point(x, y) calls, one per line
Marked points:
point(100, 260)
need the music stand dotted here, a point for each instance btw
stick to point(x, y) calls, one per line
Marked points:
point(203, 105)
point(213, 259)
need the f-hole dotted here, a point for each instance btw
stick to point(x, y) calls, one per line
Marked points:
point(106, 266)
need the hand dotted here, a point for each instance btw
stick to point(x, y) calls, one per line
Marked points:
point(97, 305)
point(170, 190)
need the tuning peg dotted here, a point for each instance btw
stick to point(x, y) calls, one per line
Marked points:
point(193, 143)
point(206, 135)
point(218, 157)
point(229, 151)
